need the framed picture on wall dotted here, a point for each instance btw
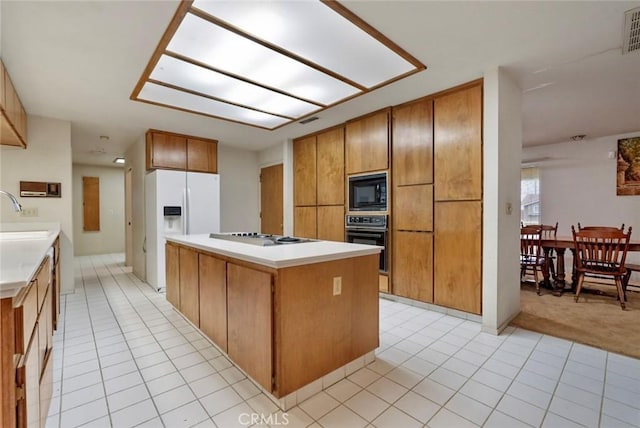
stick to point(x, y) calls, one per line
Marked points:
point(628, 173)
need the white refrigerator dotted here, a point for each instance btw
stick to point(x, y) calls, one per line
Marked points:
point(177, 202)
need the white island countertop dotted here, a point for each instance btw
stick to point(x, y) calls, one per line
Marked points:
point(277, 256)
point(23, 247)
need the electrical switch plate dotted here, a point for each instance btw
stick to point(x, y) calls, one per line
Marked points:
point(29, 212)
point(337, 285)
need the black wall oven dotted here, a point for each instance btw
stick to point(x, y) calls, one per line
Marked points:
point(368, 192)
point(369, 230)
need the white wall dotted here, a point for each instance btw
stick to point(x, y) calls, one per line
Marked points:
point(135, 160)
point(47, 158)
point(578, 184)
point(239, 189)
point(502, 140)
point(110, 237)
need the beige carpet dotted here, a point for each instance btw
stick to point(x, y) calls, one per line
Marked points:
point(596, 320)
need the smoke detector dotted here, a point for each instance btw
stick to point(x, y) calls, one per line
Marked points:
point(631, 35)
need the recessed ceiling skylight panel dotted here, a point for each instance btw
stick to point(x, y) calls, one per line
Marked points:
point(268, 63)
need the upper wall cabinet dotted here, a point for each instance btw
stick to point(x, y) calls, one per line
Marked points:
point(458, 145)
point(167, 150)
point(13, 117)
point(304, 171)
point(413, 143)
point(330, 167)
point(367, 143)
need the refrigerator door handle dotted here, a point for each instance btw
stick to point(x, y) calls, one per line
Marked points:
point(185, 214)
point(188, 210)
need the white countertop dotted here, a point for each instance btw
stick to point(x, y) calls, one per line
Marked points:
point(20, 256)
point(277, 256)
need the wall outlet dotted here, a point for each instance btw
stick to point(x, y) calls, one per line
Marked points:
point(337, 285)
point(29, 212)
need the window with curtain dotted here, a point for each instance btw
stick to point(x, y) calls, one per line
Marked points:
point(530, 195)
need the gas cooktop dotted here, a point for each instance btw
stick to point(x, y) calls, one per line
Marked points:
point(261, 239)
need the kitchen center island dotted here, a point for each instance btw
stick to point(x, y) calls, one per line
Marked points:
point(294, 317)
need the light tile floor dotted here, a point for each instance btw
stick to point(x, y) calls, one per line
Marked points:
point(123, 357)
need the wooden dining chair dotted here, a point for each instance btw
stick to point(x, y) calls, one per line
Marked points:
point(531, 255)
point(621, 228)
point(601, 252)
point(547, 231)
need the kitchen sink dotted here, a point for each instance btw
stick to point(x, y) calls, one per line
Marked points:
point(24, 235)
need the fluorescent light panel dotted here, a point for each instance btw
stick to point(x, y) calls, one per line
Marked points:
point(314, 31)
point(268, 63)
point(186, 101)
point(220, 86)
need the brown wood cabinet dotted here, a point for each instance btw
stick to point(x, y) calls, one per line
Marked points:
point(304, 171)
point(367, 143)
point(189, 287)
point(330, 167)
point(278, 324)
point(413, 208)
point(413, 143)
point(319, 185)
point(13, 117)
point(166, 150)
point(458, 145)
point(413, 265)
point(249, 322)
point(305, 222)
point(26, 324)
point(172, 268)
point(202, 155)
point(331, 223)
point(212, 278)
point(458, 255)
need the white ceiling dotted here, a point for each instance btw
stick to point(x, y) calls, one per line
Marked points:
point(80, 60)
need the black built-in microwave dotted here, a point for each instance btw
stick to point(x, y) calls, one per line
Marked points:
point(368, 192)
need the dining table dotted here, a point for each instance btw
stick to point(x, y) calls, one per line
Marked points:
point(560, 244)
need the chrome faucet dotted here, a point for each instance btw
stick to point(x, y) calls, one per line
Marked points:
point(16, 205)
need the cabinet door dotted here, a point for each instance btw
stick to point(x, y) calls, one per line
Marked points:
point(331, 223)
point(304, 171)
point(42, 280)
point(413, 143)
point(201, 155)
point(2, 86)
point(458, 255)
point(413, 265)
point(367, 143)
point(249, 311)
point(28, 375)
point(44, 334)
point(189, 290)
point(166, 151)
point(172, 268)
point(304, 222)
point(330, 171)
point(413, 208)
point(212, 273)
point(458, 145)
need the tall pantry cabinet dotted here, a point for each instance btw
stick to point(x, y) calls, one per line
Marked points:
point(458, 199)
point(319, 186)
point(437, 199)
point(412, 169)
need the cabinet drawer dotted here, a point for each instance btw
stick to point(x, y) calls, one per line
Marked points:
point(26, 315)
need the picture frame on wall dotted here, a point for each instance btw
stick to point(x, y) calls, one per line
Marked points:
point(628, 167)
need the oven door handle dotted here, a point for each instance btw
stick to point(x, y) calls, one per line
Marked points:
point(366, 235)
